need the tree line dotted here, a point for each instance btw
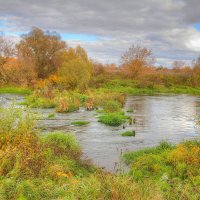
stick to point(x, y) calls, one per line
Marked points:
point(42, 56)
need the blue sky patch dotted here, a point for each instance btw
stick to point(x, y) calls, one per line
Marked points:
point(197, 26)
point(2, 24)
point(64, 36)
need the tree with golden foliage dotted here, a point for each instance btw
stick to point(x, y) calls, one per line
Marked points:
point(76, 70)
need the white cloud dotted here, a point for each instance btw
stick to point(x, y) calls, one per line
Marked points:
point(193, 42)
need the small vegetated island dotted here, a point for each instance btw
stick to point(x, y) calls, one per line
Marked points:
point(50, 166)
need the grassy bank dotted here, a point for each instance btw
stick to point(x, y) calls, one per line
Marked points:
point(124, 86)
point(15, 90)
point(174, 168)
point(131, 87)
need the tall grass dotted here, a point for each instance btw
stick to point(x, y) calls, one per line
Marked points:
point(174, 168)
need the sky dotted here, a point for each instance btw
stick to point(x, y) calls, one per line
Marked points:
point(107, 28)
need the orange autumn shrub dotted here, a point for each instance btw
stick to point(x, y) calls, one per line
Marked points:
point(188, 154)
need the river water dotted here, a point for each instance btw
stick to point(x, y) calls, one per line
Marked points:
point(169, 118)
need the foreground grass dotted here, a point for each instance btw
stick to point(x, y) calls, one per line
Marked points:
point(174, 168)
point(36, 167)
point(15, 90)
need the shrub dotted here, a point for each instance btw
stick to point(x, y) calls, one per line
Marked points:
point(69, 104)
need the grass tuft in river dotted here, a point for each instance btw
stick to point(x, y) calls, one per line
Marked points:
point(80, 123)
point(113, 119)
point(128, 133)
point(130, 110)
point(51, 115)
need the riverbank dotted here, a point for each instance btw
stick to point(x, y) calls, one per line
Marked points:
point(128, 87)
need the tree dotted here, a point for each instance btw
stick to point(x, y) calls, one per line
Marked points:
point(135, 60)
point(196, 72)
point(41, 51)
point(177, 64)
point(6, 52)
point(75, 74)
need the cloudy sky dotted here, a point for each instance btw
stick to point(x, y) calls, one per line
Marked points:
point(106, 28)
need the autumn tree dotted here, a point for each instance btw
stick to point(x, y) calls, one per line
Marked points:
point(41, 50)
point(74, 74)
point(76, 70)
point(136, 60)
point(6, 52)
point(196, 72)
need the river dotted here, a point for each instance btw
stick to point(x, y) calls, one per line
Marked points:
point(169, 118)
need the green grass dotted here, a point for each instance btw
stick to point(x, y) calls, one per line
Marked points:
point(80, 123)
point(51, 115)
point(131, 87)
point(113, 119)
point(128, 134)
point(112, 106)
point(130, 110)
point(15, 90)
point(38, 102)
point(131, 156)
point(174, 168)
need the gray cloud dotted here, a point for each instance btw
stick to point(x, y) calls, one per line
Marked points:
point(164, 26)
